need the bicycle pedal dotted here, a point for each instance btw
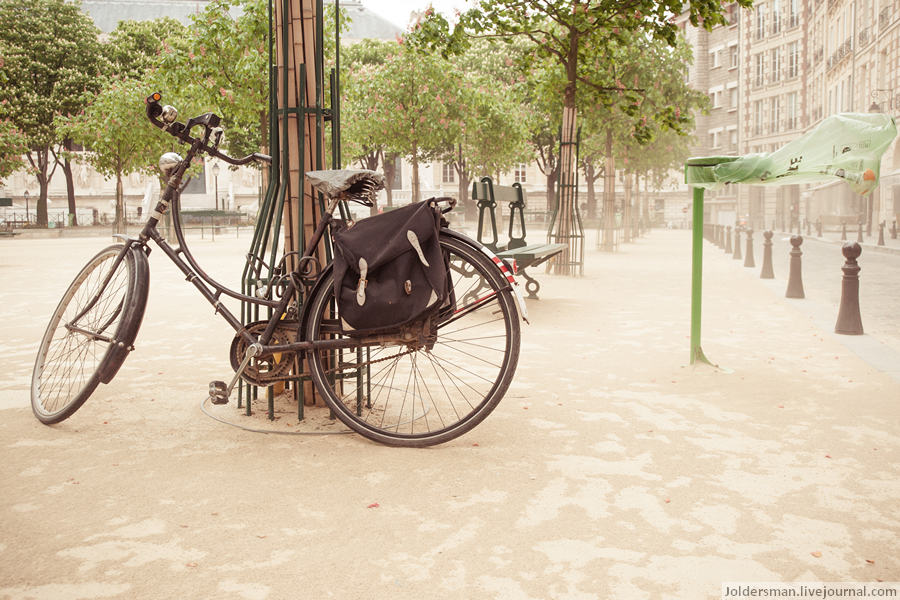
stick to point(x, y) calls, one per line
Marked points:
point(218, 392)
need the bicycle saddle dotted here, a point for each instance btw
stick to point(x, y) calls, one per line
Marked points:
point(358, 185)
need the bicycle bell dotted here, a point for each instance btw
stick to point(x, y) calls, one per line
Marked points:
point(168, 162)
point(169, 114)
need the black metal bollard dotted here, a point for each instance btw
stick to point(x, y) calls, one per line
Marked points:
point(748, 259)
point(848, 321)
point(843, 232)
point(767, 271)
point(819, 227)
point(728, 249)
point(795, 277)
point(859, 235)
point(737, 243)
point(881, 234)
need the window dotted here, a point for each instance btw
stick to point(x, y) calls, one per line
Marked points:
point(757, 117)
point(519, 173)
point(776, 16)
point(733, 98)
point(793, 60)
point(760, 21)
point(759, 69)
point(731, 13)
point(793, 13)
point(733, 56)
point(776, 64)
point(448, 173)
point(732, 139)
point(775, 106)
point(715, 138)
point(792, 111)
point(715, 97)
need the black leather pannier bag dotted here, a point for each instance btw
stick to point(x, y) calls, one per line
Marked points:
point(389, 270)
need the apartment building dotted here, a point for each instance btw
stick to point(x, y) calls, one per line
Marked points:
point(798, 61)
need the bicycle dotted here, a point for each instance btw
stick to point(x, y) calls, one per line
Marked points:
point(392, 387)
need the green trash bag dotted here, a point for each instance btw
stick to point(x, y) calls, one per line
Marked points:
point(847, 146)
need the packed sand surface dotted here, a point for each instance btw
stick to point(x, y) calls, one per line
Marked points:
point(612, 469)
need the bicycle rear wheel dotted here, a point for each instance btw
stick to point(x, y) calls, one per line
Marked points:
point(397, 395)
point(90, 332)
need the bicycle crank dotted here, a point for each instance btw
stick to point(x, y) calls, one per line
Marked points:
point(266, 370)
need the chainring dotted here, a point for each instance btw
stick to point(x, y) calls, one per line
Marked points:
point(269, 369)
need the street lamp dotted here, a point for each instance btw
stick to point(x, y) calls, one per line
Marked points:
point(215, 172)
point(26, 195)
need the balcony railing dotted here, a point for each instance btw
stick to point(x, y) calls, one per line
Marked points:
point(863, 37)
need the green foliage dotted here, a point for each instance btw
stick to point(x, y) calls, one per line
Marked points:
point(134, 47)
point(12, 147)
point(116, 131)
point(225, 69)
point(50, 64)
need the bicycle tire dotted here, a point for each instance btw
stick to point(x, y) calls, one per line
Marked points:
point(71, 363)
point(450, 387)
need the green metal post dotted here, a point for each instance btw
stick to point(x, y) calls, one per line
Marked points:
point(697, 277)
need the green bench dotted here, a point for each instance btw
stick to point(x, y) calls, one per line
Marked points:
point(517, 249)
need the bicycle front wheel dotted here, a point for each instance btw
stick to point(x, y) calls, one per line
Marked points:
point(90, 333)
point(402, 396)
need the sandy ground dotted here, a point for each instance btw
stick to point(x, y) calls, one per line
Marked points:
point(612, 469)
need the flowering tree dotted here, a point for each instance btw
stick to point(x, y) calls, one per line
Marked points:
point(50, 64)
point(411, 105)
point(119, 137)
point(12, 147)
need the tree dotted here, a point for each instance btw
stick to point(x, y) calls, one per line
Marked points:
point(50, 64)
point(225, 67)
point(120, 139)
point(414, 108)
point(619, 126)
point(568, 31)
point(494, 132)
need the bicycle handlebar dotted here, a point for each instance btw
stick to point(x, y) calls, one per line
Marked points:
point(210, 123)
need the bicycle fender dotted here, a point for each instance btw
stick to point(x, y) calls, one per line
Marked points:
point(125, 336)
point(304, 312)
point(501, 266)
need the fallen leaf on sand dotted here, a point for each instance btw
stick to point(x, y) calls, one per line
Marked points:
point(817, 554)
point(373, 505)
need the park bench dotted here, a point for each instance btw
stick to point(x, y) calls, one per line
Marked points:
point(524, 255)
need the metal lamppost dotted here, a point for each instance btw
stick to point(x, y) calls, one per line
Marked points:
point(215, 172)
point(26, 195)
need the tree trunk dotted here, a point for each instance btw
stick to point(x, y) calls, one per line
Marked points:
point(414, 196)
point(390, 170)
point(626, 209)
point(70, 181)
point(609, 197)
point(119, 223)
point(590, 176)
point(43, 165)
point(551, 189)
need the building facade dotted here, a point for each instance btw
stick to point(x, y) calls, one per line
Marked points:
point(798, 61)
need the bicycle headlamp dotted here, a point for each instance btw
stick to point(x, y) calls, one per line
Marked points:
point(168, 162)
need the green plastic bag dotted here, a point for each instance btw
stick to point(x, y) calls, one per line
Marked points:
point(848, 146)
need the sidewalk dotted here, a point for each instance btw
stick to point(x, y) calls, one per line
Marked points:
point(612, 469)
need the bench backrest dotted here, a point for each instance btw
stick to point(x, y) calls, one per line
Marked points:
point(488, 195)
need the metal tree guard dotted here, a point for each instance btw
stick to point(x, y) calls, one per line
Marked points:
point(297, 117)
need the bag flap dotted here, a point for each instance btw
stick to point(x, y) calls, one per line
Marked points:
point(382, 238)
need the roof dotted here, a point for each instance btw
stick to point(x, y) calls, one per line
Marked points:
point(106, 14)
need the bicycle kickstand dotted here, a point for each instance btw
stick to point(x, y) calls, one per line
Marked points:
point(218, 391)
